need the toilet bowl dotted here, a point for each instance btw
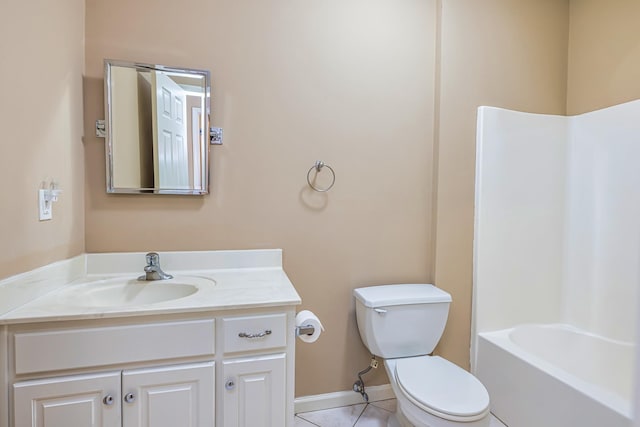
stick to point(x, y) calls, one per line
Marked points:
point(402, 324)
point(433, 392)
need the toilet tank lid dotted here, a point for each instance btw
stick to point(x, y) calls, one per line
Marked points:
point(402, 294)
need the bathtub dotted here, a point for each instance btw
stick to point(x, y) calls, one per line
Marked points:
point(556, 376)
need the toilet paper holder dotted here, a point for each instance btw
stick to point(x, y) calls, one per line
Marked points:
point(305, 330)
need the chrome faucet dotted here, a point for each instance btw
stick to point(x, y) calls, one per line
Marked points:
point(152, 270)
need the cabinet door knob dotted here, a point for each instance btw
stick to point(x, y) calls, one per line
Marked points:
point(230, 384)
point(129, 397)
point(108, 400)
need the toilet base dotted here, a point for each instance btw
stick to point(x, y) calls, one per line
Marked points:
point(397, 419)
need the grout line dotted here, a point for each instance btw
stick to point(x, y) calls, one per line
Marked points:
point(312, 423)
point(360, 416)
point(365, 407)
point(501, 422)
point(381, 408)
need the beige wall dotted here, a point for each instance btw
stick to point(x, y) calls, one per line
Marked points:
point(604, 54)
point(125, 112)
point(350, 83)
point(502, 53)
point(42, 49)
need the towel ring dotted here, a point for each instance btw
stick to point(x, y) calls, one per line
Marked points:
point(318, 167)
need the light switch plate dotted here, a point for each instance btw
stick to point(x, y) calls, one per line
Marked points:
point(44, 206)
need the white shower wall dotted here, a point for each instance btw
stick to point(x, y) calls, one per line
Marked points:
point(602, 255)
point(519, 242)
point(557, 233)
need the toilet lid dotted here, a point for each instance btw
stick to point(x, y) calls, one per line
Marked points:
point(435, 384)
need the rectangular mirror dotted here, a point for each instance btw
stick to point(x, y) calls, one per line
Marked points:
point(157, 125)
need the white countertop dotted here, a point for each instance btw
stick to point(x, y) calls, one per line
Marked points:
point(254, 279)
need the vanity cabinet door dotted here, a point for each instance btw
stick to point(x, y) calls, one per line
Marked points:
point(255, 392)
point(173, 396)
point(74, 401)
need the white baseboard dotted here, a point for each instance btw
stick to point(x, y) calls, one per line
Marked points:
point(318, 402)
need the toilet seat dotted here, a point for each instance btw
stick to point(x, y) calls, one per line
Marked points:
point(442, 388)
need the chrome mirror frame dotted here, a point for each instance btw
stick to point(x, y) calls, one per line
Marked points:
point(204, 176)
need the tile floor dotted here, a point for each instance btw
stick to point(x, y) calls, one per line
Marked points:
point(374, 414)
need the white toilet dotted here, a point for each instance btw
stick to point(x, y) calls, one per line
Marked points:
point(403, 324)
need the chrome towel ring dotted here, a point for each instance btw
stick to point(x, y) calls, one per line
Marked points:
point(318, 167)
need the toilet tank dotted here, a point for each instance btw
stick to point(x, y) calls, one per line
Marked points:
point(401, 320)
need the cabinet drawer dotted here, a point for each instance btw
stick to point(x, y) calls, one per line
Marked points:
point(85, 347)
point(254, 332)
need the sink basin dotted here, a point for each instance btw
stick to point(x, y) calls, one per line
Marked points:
point(120, 292)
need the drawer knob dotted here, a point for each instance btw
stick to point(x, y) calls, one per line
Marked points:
point(108, 400)
point(129, 397)
point(230, 384)
point(258, 335)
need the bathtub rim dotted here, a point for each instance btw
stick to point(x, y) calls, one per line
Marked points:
point(607, 398)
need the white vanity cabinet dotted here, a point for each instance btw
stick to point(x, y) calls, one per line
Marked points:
point(255, 386)
point(173, 390)
point(160, 397)
point(229, 368)
point(85, 344)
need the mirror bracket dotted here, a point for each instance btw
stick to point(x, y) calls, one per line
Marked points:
point(101, 129)
point(215, 136)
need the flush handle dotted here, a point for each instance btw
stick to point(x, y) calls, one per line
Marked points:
point(380, 311)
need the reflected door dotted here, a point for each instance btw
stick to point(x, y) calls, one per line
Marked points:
point(170, 155)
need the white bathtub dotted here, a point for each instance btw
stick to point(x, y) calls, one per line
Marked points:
point(556, 376)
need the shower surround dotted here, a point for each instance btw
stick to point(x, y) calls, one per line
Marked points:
point(557, 242)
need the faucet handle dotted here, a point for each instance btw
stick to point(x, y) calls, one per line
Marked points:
point(152, 258)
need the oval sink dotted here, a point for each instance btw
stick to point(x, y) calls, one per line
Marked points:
point(135, 293)
point(121, 292)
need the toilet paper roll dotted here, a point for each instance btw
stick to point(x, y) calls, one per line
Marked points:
point(308, 318)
